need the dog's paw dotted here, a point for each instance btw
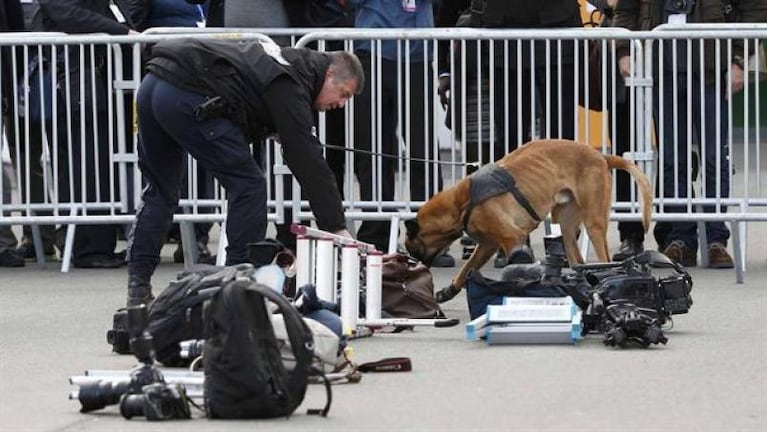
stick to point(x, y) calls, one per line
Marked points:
point(446, 294)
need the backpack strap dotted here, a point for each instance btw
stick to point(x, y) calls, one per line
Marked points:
point(301, 342)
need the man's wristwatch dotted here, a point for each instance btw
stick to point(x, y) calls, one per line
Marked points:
point(738, 60)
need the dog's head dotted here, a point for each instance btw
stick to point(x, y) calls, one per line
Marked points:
point(425, 242)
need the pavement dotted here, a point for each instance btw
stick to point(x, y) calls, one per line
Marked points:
point(711, 376)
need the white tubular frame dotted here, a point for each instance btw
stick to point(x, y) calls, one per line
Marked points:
point(352, 251)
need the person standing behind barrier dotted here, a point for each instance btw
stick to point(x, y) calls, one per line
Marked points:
point(320, 14)
point(513, 115)
point(210, 99)
point(525, 14)
point(11, 19)
point(167, 13)
point(681, 243)
point(631, 233)
point(417, 131)
point(94, 245)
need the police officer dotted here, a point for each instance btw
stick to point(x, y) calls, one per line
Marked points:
point(210, 99)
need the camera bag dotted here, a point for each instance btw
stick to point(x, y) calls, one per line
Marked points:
point(407, 289)
point(245, 376)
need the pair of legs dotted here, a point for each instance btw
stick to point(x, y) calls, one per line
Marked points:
point(168, 128)
point(705, 113)
point(417, 113)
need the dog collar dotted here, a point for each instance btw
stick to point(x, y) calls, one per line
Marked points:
point(492, 180)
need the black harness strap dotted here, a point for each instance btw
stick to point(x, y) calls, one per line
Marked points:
point(492, 180)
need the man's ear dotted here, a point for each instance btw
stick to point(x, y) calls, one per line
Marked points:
point(412, 227)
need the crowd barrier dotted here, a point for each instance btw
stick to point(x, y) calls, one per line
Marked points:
point(403, 119)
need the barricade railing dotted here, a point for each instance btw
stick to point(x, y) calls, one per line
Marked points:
point(71, 136)
point(478, 128)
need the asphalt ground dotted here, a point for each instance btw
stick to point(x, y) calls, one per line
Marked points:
point(711, 376)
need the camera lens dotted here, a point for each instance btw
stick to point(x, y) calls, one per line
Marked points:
point(132, 405)
point(98, 395)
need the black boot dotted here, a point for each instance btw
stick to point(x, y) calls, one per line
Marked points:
point(139, 288)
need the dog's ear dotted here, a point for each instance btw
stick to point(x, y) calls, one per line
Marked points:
point(412, 227)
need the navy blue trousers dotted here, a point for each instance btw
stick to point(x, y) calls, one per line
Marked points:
point(167, 127)
point(716, 172)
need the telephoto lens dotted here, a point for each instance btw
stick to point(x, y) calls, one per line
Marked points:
point(97, 395)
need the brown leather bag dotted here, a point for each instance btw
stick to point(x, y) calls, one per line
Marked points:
point(408, 289)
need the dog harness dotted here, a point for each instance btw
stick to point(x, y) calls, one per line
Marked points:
point(492, 180)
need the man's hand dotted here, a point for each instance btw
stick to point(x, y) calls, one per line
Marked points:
point(736, 78)
point(624, 66)
point(442, 89)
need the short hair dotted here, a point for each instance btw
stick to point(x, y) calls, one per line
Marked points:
point(347, 66)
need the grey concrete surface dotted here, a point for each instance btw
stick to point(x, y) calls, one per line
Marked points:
point(711, 376)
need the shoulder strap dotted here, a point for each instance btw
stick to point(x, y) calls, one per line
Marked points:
point(301, 342)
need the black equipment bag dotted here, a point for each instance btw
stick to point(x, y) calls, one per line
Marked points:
point(176, 314)
point(244, 372)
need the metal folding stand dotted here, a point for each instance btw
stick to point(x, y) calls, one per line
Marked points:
point(317, 262)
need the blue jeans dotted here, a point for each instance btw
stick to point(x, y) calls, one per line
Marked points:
point(703, 121)
point(167, 128)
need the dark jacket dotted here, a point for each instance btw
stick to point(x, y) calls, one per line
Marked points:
point(648, 14)
point(526, 14)
point(83, 16)
point(11, 19)
point(165, 13)
point(266, 91)
point(215, 11)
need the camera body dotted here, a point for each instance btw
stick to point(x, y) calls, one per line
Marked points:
point(158, 401)
point(679, 6)
point(145, 393)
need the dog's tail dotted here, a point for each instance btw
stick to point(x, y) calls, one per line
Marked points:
point(617, 162)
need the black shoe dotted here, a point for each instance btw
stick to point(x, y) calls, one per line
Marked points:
point(629, 247)
point(446, 294)
point(27, 250)
point(445, 261)
point(139, 290)
point(501, 260)
point(521, 255)
point(11, 258)
point(203, 254)
point(99, 261)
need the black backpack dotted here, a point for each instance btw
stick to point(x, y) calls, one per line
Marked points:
point(176, 314)
point(245, 376)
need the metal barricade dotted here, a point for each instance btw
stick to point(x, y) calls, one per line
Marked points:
point(71, 137)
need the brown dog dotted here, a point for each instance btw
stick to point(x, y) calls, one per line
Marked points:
point(569, 179)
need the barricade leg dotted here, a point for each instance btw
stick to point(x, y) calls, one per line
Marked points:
point(66, 257)
point(188, 243)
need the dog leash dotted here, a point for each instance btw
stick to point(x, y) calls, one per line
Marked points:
point(372, 153)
